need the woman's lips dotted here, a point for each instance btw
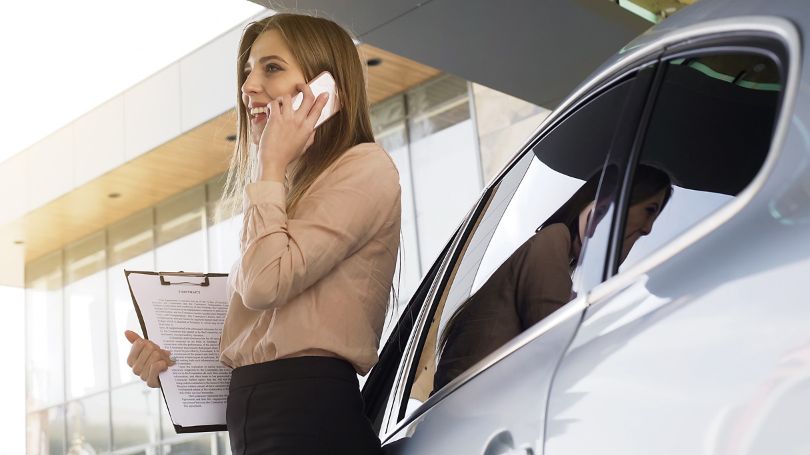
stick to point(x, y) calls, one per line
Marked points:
point(259, 118)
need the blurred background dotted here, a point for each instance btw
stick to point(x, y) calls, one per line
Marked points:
point(118, 121)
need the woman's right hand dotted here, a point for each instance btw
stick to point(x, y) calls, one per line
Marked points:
point(288, 132)
point(147, 359)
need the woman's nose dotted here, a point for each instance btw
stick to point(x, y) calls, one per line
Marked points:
point(251, 85)
point(647, 228)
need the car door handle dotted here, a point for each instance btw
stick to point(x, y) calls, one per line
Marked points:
point(502, 443)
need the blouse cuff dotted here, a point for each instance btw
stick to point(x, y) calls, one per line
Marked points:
point(264, 193)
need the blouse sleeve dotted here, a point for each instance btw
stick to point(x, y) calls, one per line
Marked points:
point(281, 257)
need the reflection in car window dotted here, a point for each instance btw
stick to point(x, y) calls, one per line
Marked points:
point(710, 131)
point(516, 267)
point(535, 280)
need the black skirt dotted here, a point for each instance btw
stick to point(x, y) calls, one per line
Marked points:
point(301, 406)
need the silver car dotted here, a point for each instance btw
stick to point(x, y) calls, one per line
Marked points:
point(636, 280)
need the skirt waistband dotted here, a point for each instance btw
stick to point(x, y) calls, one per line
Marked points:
point(293, 368)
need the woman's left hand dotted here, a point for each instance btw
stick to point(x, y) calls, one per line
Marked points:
point(288, 133)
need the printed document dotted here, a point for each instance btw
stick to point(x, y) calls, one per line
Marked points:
point(184, 313)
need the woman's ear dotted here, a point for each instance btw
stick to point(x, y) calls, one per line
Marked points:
point(584, 218)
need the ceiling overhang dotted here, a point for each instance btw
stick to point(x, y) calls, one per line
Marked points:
point(533, 49)
point(179, 164)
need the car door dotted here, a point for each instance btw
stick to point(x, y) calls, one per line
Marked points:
point(495, 401)
point(698, 342)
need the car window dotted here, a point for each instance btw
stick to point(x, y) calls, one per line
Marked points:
point(516, 267)
point(709, 133)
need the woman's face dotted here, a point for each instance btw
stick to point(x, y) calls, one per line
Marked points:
point(640, 219)
point(271, 72)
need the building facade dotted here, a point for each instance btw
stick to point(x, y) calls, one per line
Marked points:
point(447, 136)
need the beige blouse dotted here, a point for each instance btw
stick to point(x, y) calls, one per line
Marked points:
point(319, 283)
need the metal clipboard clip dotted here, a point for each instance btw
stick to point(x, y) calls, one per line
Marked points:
point(165, 282)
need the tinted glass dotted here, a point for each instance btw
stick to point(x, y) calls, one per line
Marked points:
point(517, 266)
point(708, 136)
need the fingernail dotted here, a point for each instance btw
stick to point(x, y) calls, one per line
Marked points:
point(173, 359)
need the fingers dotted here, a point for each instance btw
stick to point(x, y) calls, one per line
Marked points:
point(135, 351)
point(275, 109)
point(286, 106)
point(141, 362)
point(308, 100)
point(138, 345)
point(145, 368)
point(317, 108)
point(131, 336)
point(147, 359)
point(152, 378)
point(141, 352)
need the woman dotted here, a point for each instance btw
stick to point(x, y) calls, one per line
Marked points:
point(309, 293)
point(535, 280)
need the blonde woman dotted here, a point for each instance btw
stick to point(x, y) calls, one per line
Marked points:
point(321, 208)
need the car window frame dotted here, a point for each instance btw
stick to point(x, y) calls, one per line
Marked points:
point(381, 379)
point(775, 30)
point(407, 368)
point(432, 286)
point(763, 39)
point(633, 55)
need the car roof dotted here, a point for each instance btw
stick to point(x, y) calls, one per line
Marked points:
point(705, 11)
point(695, 20)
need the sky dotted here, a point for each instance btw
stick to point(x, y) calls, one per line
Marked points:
point(62, 59)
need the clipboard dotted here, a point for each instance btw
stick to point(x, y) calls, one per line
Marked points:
point(174, 279)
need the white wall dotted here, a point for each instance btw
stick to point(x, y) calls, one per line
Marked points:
point(12, 383)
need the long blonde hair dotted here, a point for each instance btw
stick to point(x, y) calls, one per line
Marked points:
point(319, 45)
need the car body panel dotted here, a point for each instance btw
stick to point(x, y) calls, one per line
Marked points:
point(482, 412)
point(707, 339)
point(703, 346)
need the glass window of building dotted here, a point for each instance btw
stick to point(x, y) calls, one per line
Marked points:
point(444, 160)
point(135, 415)
point(390, 130)
point(180, 228)
point(45, 432)
point(44, 342)
point(428, 130)
point(223, 230)
point(86, 316)
point(88, 424)
point(131, 247)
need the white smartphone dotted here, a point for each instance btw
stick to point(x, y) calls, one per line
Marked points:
point(323, 82)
